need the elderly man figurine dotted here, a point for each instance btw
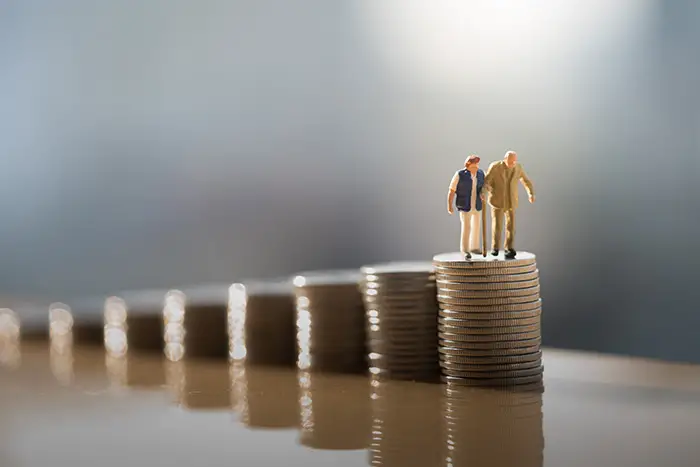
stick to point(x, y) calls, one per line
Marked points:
point(502, 179)
point(466, 186)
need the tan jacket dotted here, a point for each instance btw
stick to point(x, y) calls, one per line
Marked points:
point(502, 184)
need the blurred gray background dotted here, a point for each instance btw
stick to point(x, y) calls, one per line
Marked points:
point(168, 142)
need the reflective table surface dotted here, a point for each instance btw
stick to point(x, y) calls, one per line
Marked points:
point(78, 408)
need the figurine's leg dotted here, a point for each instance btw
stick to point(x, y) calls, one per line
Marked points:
point(510, 231)
point(464, 217)
point(475, 237)
point(496, 229)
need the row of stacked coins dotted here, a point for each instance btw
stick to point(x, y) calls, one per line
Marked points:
point(401, 310)
point(489, 326)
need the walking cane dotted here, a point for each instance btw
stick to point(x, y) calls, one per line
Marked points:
point(483, 226)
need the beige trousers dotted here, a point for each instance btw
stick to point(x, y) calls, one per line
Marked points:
point(471, 231)
point(497, 216)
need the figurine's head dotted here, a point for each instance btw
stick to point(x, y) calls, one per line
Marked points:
point(472, 163)
point(510, 158)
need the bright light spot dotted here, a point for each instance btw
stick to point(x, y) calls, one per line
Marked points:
point(115, 312)
point(60, 319)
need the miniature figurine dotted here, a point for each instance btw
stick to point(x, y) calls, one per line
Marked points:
point(502, 185)
point(466, 186)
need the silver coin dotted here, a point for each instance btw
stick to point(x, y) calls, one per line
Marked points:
point(494, 278)
point(457, 260)
point(484, 272)
point(469, 286)
point(490, 293)
point(450, 300)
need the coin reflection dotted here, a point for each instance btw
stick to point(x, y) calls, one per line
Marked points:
point(10, 356)
point(61, 357)
point(335, 411)
point(493, 428)
point(199, 385)
point(265, 397)
point(407, 424)
point(133, 370)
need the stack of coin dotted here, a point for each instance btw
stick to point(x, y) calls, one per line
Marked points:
point(330, 322)
point(407, 424)
point(88, 321)
point(195, 322)
point(489, 325)
point(134, 321)
point(401, 314)
point(9, 339)
point(493, 427)
point(261, 323)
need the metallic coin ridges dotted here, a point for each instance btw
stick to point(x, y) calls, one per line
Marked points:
point(488, 323)
point(452, 285)
point(491, 360)
point(516, 330)
point(448, 300)
point(452, 343)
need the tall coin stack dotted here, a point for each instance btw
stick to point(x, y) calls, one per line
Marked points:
point(330, 321)
point(489, 324)
point(401, 314)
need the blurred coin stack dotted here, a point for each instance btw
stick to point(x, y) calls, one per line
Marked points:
point(401, 311)
point(489, 325)
point(134, 321)
point(330, 322)
point(493, 427)
point(9, 339)
point(195, 322)
point(261, 323)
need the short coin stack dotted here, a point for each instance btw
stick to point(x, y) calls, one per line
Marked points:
point(401, 311)
point(330, 321)
point(261, 321)
point(489, 325)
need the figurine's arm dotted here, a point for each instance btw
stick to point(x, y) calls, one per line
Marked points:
point(527, 183)
point(488, 178)
point(451, 193)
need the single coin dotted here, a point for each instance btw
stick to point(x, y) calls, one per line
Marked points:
point(406, 365)
point(493, 374)
point(459, 344)
point(497, 382)
point(457, 260)
point(490, 360)
point(488, 323)
point(490, 331)
point(402, 348)
point(484, 272)
point(450, 300)
point(493, 308)
point(489, 352)
point(469, 286)
point(398, 268)
point(471, 294)
point(382, 348)
point(493, 367)
point(451, 336)
point(495, 278)
point(487, 316)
